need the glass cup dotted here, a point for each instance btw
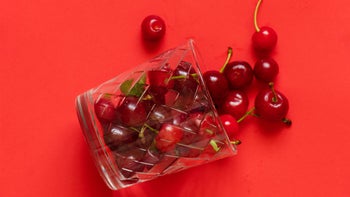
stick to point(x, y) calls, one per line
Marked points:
point(155, 119)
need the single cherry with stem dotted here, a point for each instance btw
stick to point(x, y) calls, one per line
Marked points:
point(271, 104)
point(264, 38)
point(216, 82)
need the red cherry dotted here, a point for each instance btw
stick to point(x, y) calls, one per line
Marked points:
point(117, 137)
point(272, 105)
point(217, 85)
point(235, 104)
point(104, 108)
point(168, 136)
point(266, 69)
point(132, 112)
point(230, 125)
point(153, 28)
point(160, 78)
point(239, 74)
point(264, 40)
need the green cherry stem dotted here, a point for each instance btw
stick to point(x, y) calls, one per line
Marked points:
point(182, 76)
point(236, 142)
point(274, 98)
point(228, 58)
point(151, 128)
point(256, 15)
point(250, 112)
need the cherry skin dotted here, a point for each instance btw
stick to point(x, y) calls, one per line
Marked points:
point(132, 112)
point(168, 136)
point(235, 104)
point(217, 85)
point(264, 40)
point(266, 69)
point(230, 125)
point(160, 78)
point(239, 74)
point(271, 105)
point(117, 137)
point(153, 28)
point(104, 108)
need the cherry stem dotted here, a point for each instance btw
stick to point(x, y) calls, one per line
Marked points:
point(228, 58)
point(256, 15)
point(183, 76)
point(152, 129)
point(214, 145)
point(236, 142)
point(274, 98)
point(287, 121)
point(246, 114)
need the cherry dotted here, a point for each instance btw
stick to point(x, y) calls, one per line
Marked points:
point(104, 108)
point(272, 105)
point(168, 136)
point(160, 78)
point(239, 74)
point(159, 82)
point(130, 162)
point(265, 38)
point(217, 85)
point(230, 125)
point(153, 28)
point(132, 112)
point(235, 104)
point(117, 136)
point(266, 69)
point(183, 79)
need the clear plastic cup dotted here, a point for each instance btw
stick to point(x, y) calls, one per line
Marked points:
point(155, 119)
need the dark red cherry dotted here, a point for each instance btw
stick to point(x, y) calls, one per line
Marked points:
point(217, 85)
point(271, 105)
point(117, 137)
point(160, 78)
point(153, 28)
point(130, 162)
point(264, 40)
point(132, 112)
point(230, 125)
point(266, 69)
point(104, 108)
point(239, 74)
point(235, 103)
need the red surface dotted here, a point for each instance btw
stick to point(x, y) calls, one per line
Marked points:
point(51, 51)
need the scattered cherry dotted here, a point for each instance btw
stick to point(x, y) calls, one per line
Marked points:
point(153, 28)
point(239, 74)
point(272, 105)
point(266, 69)
point(264, 38)
point(230, 125)
point(235, 103)
point(217, 85)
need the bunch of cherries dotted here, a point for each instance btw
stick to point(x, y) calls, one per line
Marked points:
point(227, 85)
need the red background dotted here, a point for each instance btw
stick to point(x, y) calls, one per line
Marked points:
point(51, 51)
